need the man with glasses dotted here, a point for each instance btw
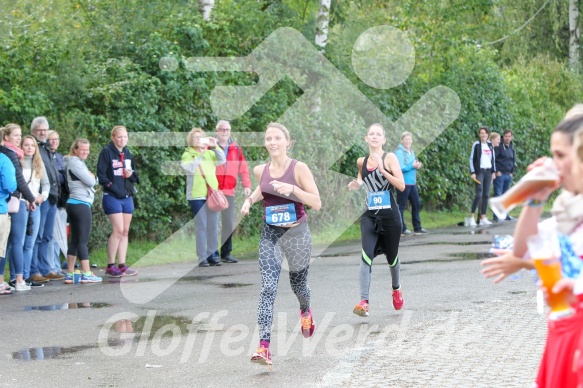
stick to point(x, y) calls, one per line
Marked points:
point(59, 241)
point(227, 174)
point(41, 267)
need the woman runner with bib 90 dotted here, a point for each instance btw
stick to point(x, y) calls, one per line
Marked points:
point(380, 225)
point(285, 185)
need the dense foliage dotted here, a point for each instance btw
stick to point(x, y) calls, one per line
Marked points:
point(88, 65)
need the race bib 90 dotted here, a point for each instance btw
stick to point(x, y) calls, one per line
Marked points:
point(378, 200)
point(280, 215)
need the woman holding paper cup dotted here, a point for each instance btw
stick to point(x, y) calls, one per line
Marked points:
point(117, 174)
point(200, 161)
point(286, 186)
point(483, 172)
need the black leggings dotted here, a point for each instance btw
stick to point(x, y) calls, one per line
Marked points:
point(80, 218)
point(482, 190)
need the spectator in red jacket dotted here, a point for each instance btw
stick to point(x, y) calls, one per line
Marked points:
point(227, 174)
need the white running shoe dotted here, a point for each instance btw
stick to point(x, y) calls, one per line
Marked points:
point(484, 221)
point(473, 222)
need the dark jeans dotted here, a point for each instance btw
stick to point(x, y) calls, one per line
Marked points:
point(227, 227)
point(412, 195)
point(482, 190)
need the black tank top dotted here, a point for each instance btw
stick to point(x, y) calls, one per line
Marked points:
point(375, 181)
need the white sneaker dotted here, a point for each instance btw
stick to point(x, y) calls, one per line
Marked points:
point(473, 222)
point(22, 287)
point(484, 221)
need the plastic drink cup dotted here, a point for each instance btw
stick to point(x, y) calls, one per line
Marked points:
point(547, 261)
point(545, 176)
point(128, 164)
point(76, 277)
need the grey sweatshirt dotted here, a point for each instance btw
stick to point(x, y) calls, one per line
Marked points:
point(81, 182)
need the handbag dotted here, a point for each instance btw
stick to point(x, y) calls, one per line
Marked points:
point(215, 200)
point(13, 205)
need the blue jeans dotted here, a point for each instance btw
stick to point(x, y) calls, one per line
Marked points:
point(20, 245)
point(206, 226)
point(410, 193)
point(502, 184)
point(45, 234)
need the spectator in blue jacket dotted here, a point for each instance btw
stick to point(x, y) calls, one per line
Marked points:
point(409, 166)
point(7, 186)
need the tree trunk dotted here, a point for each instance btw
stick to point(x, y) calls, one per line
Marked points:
point(205, 7)
point(574, 34)
point(322, 26)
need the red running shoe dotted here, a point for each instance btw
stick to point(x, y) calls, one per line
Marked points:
point(361, 309)
point(398, 299)
point(308, 324)
point(262, 356)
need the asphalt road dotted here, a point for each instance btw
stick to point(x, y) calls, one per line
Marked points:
point(456, 328)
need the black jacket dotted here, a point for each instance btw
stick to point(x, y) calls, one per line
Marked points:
point(51, 168)
point(22, 186)
point(109, 172)
point(505, 158)
point(477, 154)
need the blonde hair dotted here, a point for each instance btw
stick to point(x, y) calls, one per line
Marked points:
point(578, 145)
point(116, 129)
point(37, 161)
point(190, 137)
point(8, 128)
point(405, 134)
point(494, 135)
point(76, 144)
point(51, 133)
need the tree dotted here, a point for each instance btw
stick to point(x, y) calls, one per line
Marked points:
point(205, 7)
point(322, 26)
point(573, 34)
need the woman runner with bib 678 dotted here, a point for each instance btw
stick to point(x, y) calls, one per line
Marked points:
point(380, 225)
point(285, 186)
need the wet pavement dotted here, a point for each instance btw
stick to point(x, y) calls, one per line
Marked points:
point(456, 328)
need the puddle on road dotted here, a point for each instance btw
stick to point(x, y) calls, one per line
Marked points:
point(468, 256)
point(120, 333)
point(49, 352)
point(67, 306)
point(199, 278)
point(472, 255)
point(234, 285)
point(464, 243)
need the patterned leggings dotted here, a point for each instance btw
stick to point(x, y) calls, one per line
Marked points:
point(296, 244)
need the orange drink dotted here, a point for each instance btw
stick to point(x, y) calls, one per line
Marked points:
point(546, 254)
point(549, 271)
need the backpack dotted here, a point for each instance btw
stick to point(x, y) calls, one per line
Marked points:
point(65, 192)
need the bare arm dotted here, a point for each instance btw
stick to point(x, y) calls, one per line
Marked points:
point(256, 194)
point(504, 265)
point(355, 184)
point(306, 190)
point(392, 170)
